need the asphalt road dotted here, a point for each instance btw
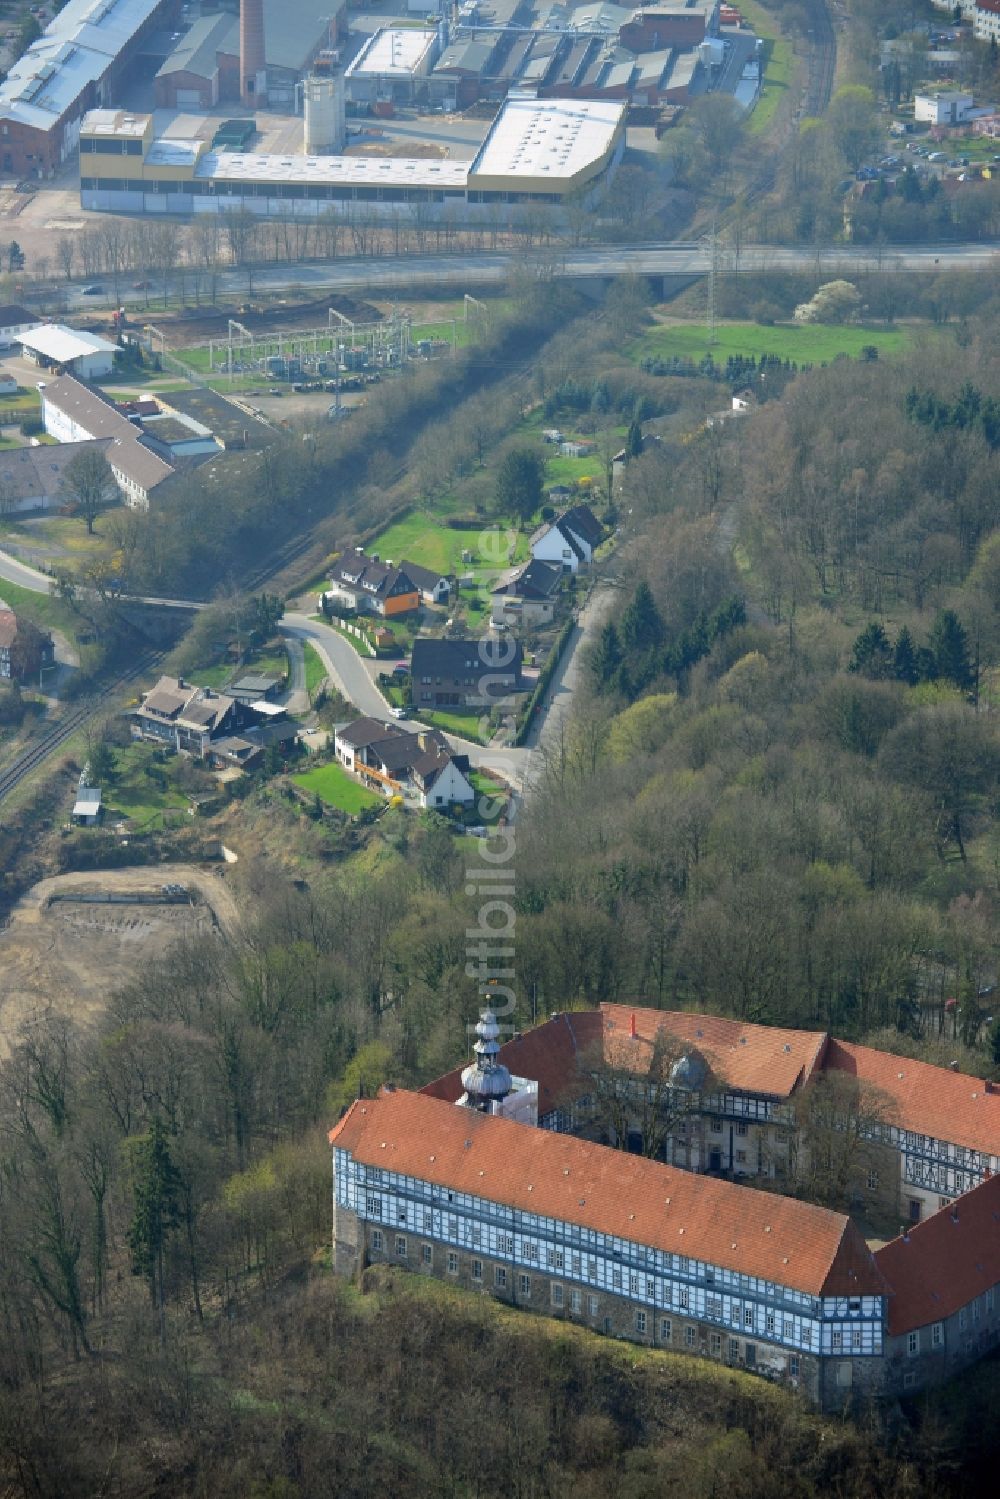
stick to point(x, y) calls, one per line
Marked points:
point(483, 267)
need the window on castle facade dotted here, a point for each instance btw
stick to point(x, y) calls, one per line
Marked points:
point(524, 1285)
point(734, 1350)
point(427, 1254)
point(716, 1344)
point(373, 1207)
point(873, 1181)
point(576, 1302)
point(500, 1276)
point(640, 1322)
point(557, 1294)
point(452, 1262)
point(666, 1330)
point(477, 1269)
point(937, 1335)
point(837, 1341)
point(689, 1337)
point(377, 1241)
point(742, 1127)
point(401, 1246)
point(793, 1366)
point(592, 1306)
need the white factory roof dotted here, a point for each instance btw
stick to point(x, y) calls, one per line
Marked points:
point(168, 153)
point(554, 137)
point(395, 51)
point(394, 171)
point(76, 48)
point(103, 25)
point(117, 122)
point(63, 344)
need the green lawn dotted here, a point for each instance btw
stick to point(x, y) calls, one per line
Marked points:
point(422, 537)
point(464, 722)
point(138, 796)
point(803, 343)
point(315, 670)
point(43, 608)
point(333, 785)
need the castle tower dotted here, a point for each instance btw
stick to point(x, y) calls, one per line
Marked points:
point(253, 75)
point(487, 1081)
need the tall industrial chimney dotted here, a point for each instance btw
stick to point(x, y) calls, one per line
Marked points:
point(253, 77)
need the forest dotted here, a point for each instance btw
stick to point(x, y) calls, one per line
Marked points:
point(776, 799)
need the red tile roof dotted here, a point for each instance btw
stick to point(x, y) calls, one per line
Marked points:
point(806, 1248)
point(944, 1262)
point(751, 1058)
point(548, 1055)
point(928, 1100)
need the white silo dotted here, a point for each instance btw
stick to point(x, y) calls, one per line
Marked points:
point(323, 107)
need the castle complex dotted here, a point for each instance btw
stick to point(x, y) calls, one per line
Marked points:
point(493, 1178)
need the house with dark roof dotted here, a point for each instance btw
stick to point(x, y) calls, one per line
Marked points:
point(15, 320)
point(434, 587)
point(526, 595)
point(391, 758)
point(364, 583)
point(25, 650)
point(465, 673)
point(570, 540)
point(188, 718)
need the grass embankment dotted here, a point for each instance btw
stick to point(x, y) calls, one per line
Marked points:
point(42, 608)
point(332, 784)
point(779, 66)
point(315, 670)
point(802, 343)
point(462, 722)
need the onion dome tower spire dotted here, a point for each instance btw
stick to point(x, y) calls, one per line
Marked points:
point(486, 1081)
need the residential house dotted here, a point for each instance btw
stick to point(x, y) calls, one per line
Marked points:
point(570, 540)
point(744, 400)
point(526, 595)
point(245, 749)
point(986, 20)
point(396, 761)
point(14, 321)
point(25, 650)
point(370, 586)
point(8, 383)
point(186, 717)
point(465, 673)
point(435, 588)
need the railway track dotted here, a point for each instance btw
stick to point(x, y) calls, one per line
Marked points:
point(69, 723)
point(822, 60)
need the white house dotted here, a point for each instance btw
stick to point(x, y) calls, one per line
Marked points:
point(526, 595)
point(397, 762)
point(8, 384)
point(568, 541)
point(14, 321)
point(87, 807)
point(986, 20)
point(946, 108)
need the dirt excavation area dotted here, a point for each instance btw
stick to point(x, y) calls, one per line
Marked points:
point(73, 939)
